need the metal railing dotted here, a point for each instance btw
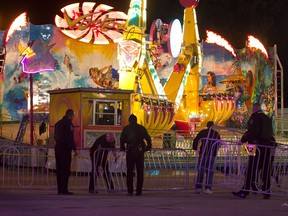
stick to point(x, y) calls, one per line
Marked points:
point(230, 167)
point(165, 169)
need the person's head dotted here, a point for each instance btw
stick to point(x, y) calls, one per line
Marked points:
point(209, 124)
point(132, 119)
point(110, 137)
point(91, 72)
point(70, 114)
point(211, 78)
point(238, 89)
point(256, 107)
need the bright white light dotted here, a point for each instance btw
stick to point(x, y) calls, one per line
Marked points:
point(175, 38)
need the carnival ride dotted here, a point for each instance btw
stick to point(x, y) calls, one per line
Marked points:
point(180, 92)
point(157, 105)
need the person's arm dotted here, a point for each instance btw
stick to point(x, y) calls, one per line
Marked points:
point(123, 140)
point(94, 146)
point(67, 134)
point(195, 142)
point(204, 89)
point(71, 140)
point(113, 144)
point(73, 144)
point(148, 141)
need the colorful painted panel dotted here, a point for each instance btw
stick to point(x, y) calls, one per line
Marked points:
point(76, 65)
point(234, 84)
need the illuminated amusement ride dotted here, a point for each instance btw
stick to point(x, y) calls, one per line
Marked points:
point(166, 77)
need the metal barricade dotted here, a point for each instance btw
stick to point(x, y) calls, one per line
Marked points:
point(166, 169)
point(230, 167)
point(22, 166)
point(34, 167)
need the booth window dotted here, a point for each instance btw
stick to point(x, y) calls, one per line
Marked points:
point(105, 112)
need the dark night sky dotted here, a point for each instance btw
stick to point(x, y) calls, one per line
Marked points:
point(232, 19)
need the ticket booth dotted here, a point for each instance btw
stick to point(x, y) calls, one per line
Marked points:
point(97, 111)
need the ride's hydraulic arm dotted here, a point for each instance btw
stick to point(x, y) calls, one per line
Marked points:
point(182, 86)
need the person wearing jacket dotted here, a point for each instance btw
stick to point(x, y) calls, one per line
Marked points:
point(132, 141)
point(65, 144)
point(259, 132)
point(98, 156)
point(207, 142)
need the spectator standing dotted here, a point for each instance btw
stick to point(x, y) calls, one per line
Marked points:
point(132, 140)
point(98, 154)
point(260, 132)
point(207, 141)
point(65, 144)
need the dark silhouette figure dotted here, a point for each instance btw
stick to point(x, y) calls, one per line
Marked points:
point(65, 143)
point(259, 132)
point(132, 139)
point(208, 139)
point(99, 159)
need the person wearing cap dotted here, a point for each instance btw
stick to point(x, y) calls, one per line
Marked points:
point(98, 154)
point(132, 141)
point(207, 142)
point(259, 132)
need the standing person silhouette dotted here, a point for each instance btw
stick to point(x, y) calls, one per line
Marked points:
point(207, 141)
point(99, 159)
point(132, 139)
point(65, 143)
point(260, 132)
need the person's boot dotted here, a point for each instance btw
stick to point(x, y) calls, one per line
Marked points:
point(239, 194)
point(267, 195)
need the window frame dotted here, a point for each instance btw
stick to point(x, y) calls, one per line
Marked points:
point(97, 111)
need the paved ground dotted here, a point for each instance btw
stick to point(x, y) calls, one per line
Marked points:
point(46, 203)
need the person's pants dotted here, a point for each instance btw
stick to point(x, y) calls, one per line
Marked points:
point(132, 159)
point(63, 163)
point(260, 162)
point(107, 175)
point(206, 165)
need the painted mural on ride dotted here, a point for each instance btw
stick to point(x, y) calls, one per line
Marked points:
point(184, 81)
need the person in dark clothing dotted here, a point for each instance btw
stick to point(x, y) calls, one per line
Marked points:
point(99, 159)
point(274, 145)
point(209, 145)
point(132, 140)
point(65, 143)
point(259, 132)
